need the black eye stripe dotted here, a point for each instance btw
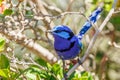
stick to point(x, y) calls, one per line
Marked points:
point(71, 34)
point(58, 31)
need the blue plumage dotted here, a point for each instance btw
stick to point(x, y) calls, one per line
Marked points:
point(93, 18)
point(66, 44)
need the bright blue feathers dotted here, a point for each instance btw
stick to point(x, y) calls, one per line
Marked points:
point(66, 44)
point(63, 31)
point(88, 24)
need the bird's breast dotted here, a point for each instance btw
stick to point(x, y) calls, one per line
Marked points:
point(61, 43)
point(67, 49)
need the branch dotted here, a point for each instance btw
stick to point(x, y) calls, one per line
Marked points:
point(31, 45)
point(47, 20)
point(114, 44)
point(91, 43)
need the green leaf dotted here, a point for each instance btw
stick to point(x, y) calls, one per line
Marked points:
point(30, 76)
point(2, 44)
point(99, 56)
point(43, 75)
point(29, 14)
point(56, 68)
point(13, 75)
point(2, 16)
point(82, 76)
point(49, 66)
point(38, 77)
point(41, 62)
point(86, 76)
point(4, 62)
point(4, 73)
point(116, 21)
point(1, 2)
point(7, 12)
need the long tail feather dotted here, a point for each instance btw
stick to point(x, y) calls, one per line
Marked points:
point(92, 19)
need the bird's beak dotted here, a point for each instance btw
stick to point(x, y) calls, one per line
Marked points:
point(49, 31)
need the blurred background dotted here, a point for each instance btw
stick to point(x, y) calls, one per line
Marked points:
point(26, 50)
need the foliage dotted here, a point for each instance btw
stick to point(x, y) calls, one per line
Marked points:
point(34, 72)
point(7, 12)
point(2, 44)
point(1, 2)
point(5, 72)
point(23, 24)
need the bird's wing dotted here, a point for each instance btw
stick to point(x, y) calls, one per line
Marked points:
point(64, 45)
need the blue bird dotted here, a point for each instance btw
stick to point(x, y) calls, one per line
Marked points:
point(68, 45)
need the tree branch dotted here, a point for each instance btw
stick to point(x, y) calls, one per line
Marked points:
point(43, 11)
point(31, 45)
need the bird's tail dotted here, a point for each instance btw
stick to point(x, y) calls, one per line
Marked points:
point(92, 19)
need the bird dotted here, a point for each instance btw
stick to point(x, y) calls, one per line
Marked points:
point(68, 45)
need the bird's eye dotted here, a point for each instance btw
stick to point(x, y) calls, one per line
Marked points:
point(57, 31)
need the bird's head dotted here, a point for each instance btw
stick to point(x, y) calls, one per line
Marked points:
point(61, 31)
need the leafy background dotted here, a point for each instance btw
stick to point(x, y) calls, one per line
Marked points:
point(17, 62)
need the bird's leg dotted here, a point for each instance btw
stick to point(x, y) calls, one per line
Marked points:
point(79, 61)
point(64, 73)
